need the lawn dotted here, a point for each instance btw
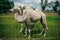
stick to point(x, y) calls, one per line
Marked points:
point(9, 28)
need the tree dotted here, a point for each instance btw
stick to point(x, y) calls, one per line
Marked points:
point(46, 2)
point(5, 5)
point(56, 5)
point(41, 2)
point(43, 5)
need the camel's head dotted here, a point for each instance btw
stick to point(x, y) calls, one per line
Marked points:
point(22, 7)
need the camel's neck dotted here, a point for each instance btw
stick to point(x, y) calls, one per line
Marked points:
point(21, 12)
point(19, 18)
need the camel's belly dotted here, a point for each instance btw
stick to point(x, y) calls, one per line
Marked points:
point(36, 16)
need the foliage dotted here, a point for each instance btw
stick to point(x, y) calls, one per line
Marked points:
point(56, 5)
point(43, 5)
point(5, 5)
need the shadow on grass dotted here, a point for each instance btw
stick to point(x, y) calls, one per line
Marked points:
point(35, 32)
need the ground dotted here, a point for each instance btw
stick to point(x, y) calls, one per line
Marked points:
point(9, 28)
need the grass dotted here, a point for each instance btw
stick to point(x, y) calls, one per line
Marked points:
point(9, 28)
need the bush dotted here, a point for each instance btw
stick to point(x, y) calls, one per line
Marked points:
point(5, 5)
point(58, 12)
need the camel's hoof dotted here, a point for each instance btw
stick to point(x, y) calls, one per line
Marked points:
point(25, 35)
point(29, 38)
point(47, 28)
point(41, 32)
point(20, 30)
point(44, 35)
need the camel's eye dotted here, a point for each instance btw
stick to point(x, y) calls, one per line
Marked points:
point(15, 10)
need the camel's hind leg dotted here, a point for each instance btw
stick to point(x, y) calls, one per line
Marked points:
point(44, 24)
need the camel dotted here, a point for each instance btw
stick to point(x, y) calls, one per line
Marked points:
point(27, 14)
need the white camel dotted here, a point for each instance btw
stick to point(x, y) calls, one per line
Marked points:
point(28, 15)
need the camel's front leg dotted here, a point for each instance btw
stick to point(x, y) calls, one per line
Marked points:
point(28, 22)
point(26, 31)
point(21, 27)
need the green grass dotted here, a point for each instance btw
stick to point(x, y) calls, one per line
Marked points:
point(9, 28)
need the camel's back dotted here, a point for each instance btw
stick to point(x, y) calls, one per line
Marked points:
point(33, 14)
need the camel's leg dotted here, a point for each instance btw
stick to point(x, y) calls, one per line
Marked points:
point(26, 31)
point(28, 22)
point(43, 22)
point(21, 27)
